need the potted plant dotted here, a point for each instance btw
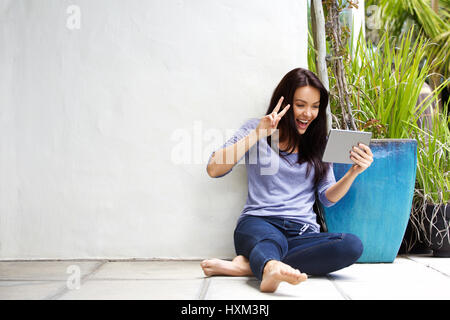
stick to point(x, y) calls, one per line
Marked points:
point(431, 211)
point(432, 23)
point(377, 90)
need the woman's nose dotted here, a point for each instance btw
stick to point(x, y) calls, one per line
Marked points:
point(307, 112)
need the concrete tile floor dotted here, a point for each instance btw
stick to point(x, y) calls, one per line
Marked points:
point(408, 277)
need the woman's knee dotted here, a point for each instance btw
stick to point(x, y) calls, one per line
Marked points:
point(255, 230)
point(245, 243)
point(353, 246)
point(338, 251)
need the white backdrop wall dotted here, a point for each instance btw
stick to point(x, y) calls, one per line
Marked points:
point(99, 97)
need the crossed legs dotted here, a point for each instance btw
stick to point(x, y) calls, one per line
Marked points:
point(259, 246)
point(265, 252)
point(274, 271)
point(238, 267)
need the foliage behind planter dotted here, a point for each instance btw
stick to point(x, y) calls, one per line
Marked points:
point(433, 181)
point(386, 82)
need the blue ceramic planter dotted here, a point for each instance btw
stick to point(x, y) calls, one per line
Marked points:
point(378, 204)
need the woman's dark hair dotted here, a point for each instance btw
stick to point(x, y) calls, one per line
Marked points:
point(311, 144)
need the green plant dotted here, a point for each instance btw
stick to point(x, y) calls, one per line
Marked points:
point(386, 81)
point(311, 54)
point(400, 15)
point(433, 170)
point(397, 14)
point(433, 159)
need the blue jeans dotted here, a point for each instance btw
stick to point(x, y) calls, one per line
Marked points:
point(261, 239)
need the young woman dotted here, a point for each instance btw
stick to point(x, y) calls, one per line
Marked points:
point(277, 237)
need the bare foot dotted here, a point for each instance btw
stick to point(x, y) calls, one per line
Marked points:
point(239, 267)
point(277, 271)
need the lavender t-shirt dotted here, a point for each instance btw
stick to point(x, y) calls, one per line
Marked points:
point(278, 188)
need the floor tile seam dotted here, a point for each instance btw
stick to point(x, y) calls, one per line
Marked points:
point(28, 283)
point(204, 288)
point(64, 289)
point(341, 291)
point(429, 266)
point(34, 281)
point(94, 270)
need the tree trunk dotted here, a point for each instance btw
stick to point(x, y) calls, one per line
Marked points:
point(319, 41)
point(337, 63)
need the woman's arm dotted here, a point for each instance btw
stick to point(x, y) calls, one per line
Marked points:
point(224, 159)
point(340, 188)
point(363, 158)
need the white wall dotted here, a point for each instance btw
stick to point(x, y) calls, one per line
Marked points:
point(89, 118)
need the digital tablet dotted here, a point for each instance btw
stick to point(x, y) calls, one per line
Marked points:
point(341, 142)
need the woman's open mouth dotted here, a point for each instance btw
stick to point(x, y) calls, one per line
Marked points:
point(302, 124)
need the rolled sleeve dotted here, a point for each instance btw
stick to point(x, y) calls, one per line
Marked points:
point(323, 186)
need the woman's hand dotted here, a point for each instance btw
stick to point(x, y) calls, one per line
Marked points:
point(362, 158)
point(268, 124)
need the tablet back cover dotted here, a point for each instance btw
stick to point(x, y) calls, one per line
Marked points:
point(340, 142)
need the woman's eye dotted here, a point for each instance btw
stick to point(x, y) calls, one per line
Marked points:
point(316, 106)
point(300, 105)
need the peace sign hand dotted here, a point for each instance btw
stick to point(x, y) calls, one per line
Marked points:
point(268, 124)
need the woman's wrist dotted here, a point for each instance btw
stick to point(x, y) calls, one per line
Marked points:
point(258, 133)
point(340, 188)
point(352, 173)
